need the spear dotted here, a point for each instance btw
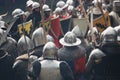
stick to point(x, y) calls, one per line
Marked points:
point(90, 25)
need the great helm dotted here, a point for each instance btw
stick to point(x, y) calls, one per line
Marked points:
point(109, 35)
point(24, 44)
point(46, 8)
point(29, 3)
point(50, 51)
point(35, 5)
point(70, 39)
point(38, 37)
point(17, 12)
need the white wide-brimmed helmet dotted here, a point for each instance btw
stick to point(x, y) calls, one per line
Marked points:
point(17, 12)
point(35, 5)
point(46, 8)
point(29, 3)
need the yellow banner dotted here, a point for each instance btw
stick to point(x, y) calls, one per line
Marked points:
point(25, 28)
point(102, 22)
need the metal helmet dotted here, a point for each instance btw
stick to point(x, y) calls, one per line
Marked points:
point(29, 3)
point(70, 39)
point(2, 38)
point(35, 5)
point(77, 31)
point(24, 44)
point(46, 8)
point(95, 32)
point(117, 28)
point(109, 35)
point(17, 12)
point(38, 37)
point(69, 2)
point(116, 3)
point(60, 4)
point(70, 8)
point(50, 51)
point(95, 2)
point(58, 10)
point(49, 38)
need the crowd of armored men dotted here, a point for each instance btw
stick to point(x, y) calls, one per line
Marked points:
point(77, 58)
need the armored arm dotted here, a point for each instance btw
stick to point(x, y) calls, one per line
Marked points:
point(66, 72)
point(36, 70)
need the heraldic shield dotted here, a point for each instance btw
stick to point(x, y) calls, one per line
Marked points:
point(55, 30)
point(26, 28)
point(102, 22)
point(66, 24)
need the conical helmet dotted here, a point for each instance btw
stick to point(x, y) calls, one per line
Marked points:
point(50, 51)
point(38, 37)
point(24, 44)
point(77, 31)
point(109, 35)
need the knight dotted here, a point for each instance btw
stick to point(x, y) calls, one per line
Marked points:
point(50, 66)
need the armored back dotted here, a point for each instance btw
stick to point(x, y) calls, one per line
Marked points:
point(108, 68)
point(51, 69)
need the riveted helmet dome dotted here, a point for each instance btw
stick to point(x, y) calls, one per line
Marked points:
point(50, 51)
point(109, 35)
point(46, 7)
point(60, 4)
point(77, 31)
point(24, 44)
point(70, 39)
point(29, 3)
point(35, 5)
point(38, 37)
point(17, 12)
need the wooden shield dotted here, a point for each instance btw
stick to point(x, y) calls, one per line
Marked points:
point(25, 28)
point(102, 22)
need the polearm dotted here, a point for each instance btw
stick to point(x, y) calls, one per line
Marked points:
point(90, 25)
point(42, 20)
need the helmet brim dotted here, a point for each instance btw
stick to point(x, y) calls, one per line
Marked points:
point(78, 42)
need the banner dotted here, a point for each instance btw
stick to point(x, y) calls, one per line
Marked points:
point(26, 28)
point(102, 22)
